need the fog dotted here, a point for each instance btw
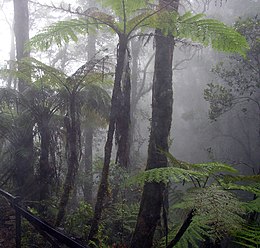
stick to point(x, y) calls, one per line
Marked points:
point(216, 102)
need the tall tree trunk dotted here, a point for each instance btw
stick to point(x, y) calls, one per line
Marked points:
point(89, 133)
point(123, 117)
point(88, 174)
point(11, 79)
point(21, 30)
point(115, 108)
point(71, 126)
point(162, 100)
point(24, 167)
point(135, 48)
point(45, 173)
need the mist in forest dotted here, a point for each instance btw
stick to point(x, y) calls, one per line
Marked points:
point(84, 136)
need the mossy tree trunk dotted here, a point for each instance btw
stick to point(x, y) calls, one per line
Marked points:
point(162, 100)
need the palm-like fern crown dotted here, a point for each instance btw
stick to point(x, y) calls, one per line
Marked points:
point(129, 16)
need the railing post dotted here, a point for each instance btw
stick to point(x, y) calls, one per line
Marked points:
point(18, 229)
point(17, 223)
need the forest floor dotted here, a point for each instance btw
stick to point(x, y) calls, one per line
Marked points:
point(7, 225)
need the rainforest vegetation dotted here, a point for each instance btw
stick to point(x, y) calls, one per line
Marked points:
point(128, 123)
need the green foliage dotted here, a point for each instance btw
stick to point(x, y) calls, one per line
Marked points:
point(165, 175)
point(220, 209)
point(196, 233)
point(78, 222)
point(36, 72)
point(208, 32)
point(248, 236)
point(240, 75)
point(125, 7)
point(119, 220)
point(59, 33)
point(220, 98)
point(245, 183)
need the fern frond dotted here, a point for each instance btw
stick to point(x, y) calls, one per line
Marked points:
point(208, 169)
point(214, 167)
point(219, 208)
point(208, 32)
point(165, 175)
point(59, 33)
point(252, 206)
point(127, 6)
point(245, 183)
point(248, 236)
point(36, 72)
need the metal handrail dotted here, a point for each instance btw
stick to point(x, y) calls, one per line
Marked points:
point(42, 227)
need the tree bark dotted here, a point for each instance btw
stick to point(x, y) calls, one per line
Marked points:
point(21, 30)
point(23, 164)
point(162, 100)
point(88, 174)
point(71, 126)
point(45, 173)
point(115, 108)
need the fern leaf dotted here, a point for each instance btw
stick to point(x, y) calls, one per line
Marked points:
point(127, 6)
point(248, 236)
point(59, 33)
point(208, 32)
point(165, 175)
point(218, 208)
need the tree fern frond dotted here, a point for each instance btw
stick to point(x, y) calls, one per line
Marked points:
point(59, 33)
point(209, 168)
point(253, 188)
point(219, 208)
point(96, 99)
point(252, 206)
point(37, 72)
point(248, 236)
point(214, 33)
point(208, 32)
point(214, 167)
point(240, 182)
point(127, 6)
point(165, 175)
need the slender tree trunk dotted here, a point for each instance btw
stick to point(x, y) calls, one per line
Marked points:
point(45, 173)
point(10, 79)
point(89, 133)
point(115, 108)
point(162, 100)
point(71, 125)
point(21, 30)
point(123, 117)
point(135, 48)
point(88, 174)
point(23, 164)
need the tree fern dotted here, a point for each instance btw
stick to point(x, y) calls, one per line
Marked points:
point(59, 33)
point(248, 236)
point(216, 208)
point(125, 7)
point(194, 235)
point(165, 175)
point(208, 32)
